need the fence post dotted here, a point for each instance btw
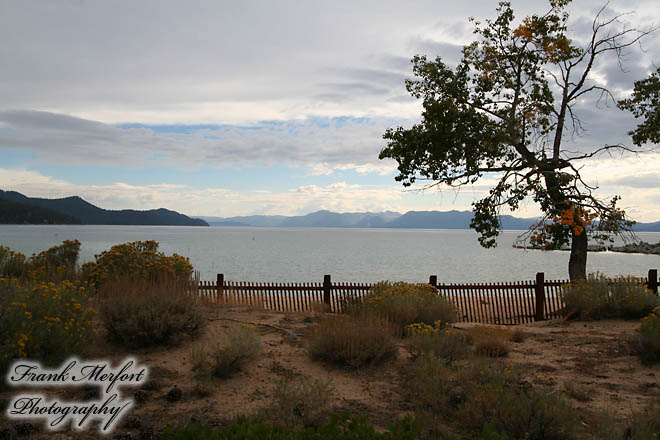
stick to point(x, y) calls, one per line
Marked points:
point(327, 283)
point(539, 293)
point(433, 280)
point(220, 286)
point(653, 280)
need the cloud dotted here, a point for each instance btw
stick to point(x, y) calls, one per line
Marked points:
point(338, 196)
point(339, 143)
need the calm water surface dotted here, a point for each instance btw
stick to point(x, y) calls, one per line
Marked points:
point(306, 254)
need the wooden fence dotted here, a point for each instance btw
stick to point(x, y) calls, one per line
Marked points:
point(488, 303)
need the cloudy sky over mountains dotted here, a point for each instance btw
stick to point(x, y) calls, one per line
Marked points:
point(258, 107)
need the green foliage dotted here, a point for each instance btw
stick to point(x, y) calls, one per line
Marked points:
point(340, 427)
point(645, 103)
point(353, 340)
point(139, 259)
point(405, 303)
point(138, 313)
point(55, 264)
point(481, 395)
point(499, 113)
point(644, 424)
point(12, 264)
point(436, 341)
point(600, 297)
point(305, 402)
point(42, 321)
point(648, 337)
point(241, 346)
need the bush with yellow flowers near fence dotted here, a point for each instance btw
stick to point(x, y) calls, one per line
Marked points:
point(139, 259)
point(649, 337)
point(45, 321)
point(406, 303)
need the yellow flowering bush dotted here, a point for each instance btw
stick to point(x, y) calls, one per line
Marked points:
point(600, 297)
point(138, 259)
point(406, 303)
point(649, 337)
point(42, 321)
point(435, 340)
point(12, 264)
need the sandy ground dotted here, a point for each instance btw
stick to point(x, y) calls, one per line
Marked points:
point(590, 362)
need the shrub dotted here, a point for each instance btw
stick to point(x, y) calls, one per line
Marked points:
point(137, 313)
point(241, 345)
point(518, 336)
point(340, 427)
point(139, 259)
point(12, 264)
point(305, 402)
point(43, 321)
point(481, 395)
point(353, 340)
point(55, 263)
point(435, 341)
point(405, 303)
point(648, 337)
point(644, 424)
point(600, 297)
point(490, 341)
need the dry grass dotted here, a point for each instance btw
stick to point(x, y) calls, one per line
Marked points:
point(139, 313)
point(490, 341)
point(354, 340)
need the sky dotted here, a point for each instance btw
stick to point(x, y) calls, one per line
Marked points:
point(225, 108)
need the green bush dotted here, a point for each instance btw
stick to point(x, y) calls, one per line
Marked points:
point(12, 264)
point(600, 297)
point(305, 402)
point(436, 341)
point(648, 337)
point(353, 340)
point(644, 424)
point(340, 427)
point(137, 313)
point(43, 321)
point(406, 303)
point(241, 345)
point(483, 394)
point(56, 263)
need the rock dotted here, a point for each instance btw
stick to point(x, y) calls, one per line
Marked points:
point(174, 395)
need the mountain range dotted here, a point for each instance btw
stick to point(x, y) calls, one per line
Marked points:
point(387, 219)
point(16, 208)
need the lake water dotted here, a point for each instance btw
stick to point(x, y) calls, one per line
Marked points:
point(357, 255)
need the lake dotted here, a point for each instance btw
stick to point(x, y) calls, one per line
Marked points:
point(357, 255)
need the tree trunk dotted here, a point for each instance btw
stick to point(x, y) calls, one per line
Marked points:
point(577, 264)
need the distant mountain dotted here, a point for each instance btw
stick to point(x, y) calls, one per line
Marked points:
point(327, 219)
point(88, 214)
point(409, 220)
point(13, 213)
point(647, 227)
point(388, 219)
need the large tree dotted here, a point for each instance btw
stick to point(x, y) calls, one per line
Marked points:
point(507, 110)
point(645, 103)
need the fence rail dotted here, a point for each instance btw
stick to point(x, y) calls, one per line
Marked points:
point(487, 303)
